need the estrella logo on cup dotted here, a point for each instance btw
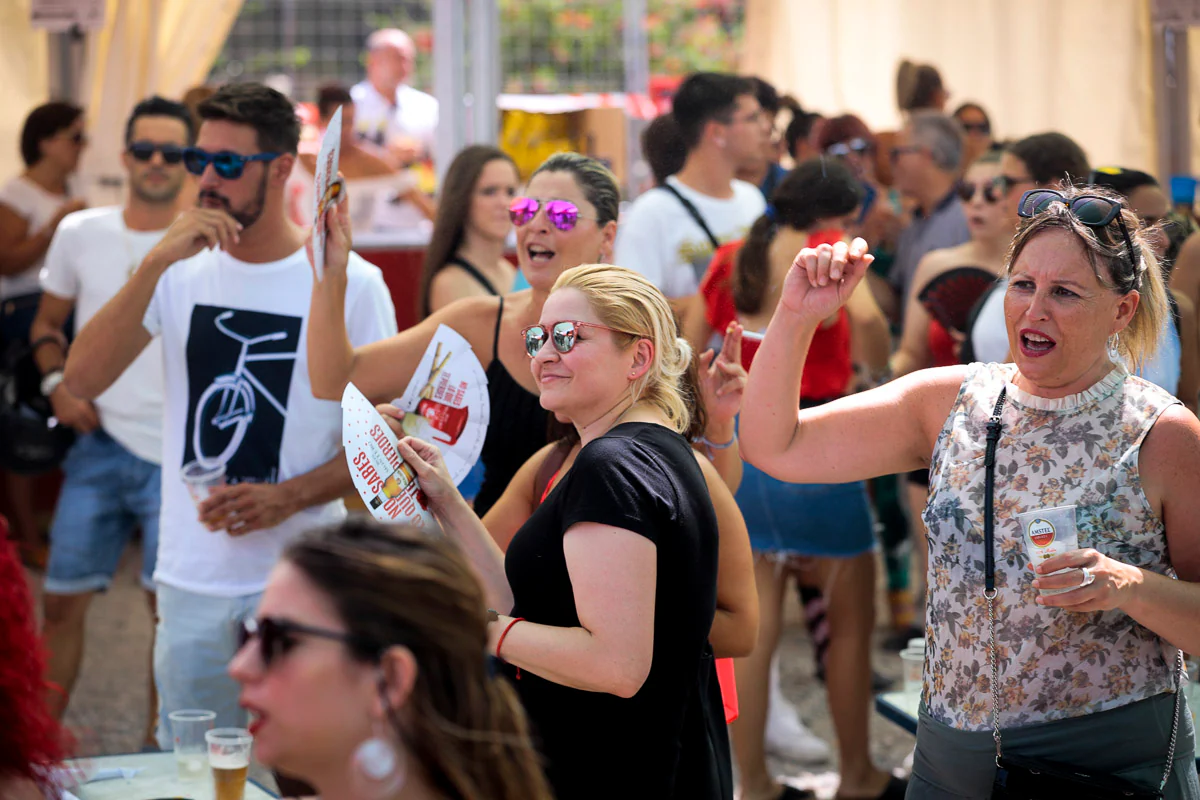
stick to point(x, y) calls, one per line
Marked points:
point(1041, 533)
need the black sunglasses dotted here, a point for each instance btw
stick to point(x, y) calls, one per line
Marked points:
point(228, 165)
point(144, 151)
point(1090, 209)
point(277, 637)
point(982, 128)
point(993, 190)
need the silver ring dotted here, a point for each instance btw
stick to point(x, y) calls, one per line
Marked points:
point(1088, 578)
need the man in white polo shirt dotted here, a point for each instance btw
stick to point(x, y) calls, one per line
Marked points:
point(387, 111)
point(250, 458)
point(111, 482)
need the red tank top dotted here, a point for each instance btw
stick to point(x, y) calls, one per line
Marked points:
point(941, 345)
point(828, 370)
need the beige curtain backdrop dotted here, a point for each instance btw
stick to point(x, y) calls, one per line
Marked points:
point(146, 47)
point(24, 79)
point(1081, 67)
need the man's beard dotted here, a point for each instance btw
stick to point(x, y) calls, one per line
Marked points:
point(246, 216)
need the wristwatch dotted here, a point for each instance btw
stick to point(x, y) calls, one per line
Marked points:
point(51, 381)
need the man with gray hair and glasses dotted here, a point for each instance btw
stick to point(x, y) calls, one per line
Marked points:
point(925, 164)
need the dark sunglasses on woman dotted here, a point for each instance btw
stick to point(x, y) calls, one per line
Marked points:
point(562, 334)
point(276, 637)
point(144, 151)
point(228, 165)
point(857, 145)
point(993, 190)
point(978, 128)
point(1090, 209)
point(563, 214)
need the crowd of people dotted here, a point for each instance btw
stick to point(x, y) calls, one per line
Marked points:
point(937, 336)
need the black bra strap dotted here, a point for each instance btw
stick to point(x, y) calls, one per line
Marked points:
point(496, 334)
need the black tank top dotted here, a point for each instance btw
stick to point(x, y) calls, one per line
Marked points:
point(518, 428)
point(470, 269)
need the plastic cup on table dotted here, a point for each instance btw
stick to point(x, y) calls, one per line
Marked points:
point(229, 757)
point(188, 727)
point(914, 667)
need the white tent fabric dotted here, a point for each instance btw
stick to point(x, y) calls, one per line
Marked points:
point(24, 79)
point(1075, 66)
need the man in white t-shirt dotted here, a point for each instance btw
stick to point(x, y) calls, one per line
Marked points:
point(112, 479)
point(388, 111)
point(250, 457)
point(668, 233)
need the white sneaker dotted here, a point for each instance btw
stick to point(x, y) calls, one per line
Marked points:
point(788, 737)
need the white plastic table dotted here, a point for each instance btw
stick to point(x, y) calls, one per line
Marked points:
point(901, 708)
point(159, 780)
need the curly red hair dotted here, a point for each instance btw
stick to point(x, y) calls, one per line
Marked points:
point(30, 739)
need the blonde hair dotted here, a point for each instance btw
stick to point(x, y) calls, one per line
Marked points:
point(1112, 265)
point(625, 300)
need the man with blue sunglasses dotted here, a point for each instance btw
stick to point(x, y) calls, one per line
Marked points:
point(250, 458)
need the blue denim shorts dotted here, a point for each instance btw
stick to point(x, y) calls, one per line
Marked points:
point(829, 520)
point(107, 493)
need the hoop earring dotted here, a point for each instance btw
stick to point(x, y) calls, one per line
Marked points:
point(1114, 351)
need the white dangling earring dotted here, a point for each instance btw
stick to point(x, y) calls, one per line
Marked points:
point(378, 769)
point(1114, 352)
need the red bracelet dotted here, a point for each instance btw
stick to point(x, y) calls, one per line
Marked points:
point(500, 641)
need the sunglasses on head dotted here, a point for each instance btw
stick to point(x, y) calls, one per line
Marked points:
point(1090, 209)
point(562, 334)
point(277, 637)
point(993, 190)
point(228, 165)
point(856, 145)
point(563, 214)
point(144, 151)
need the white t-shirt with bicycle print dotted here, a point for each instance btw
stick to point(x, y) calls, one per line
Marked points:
point(238, 399)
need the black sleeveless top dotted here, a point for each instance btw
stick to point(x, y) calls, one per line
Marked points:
point(470, 269)
point(519, 427)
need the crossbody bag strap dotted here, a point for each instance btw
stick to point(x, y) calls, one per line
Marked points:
point(694, 212)
point(989, 558)
point(994, 427)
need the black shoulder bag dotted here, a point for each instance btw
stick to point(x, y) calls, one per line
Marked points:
point(694, 212)
point(1019, 777)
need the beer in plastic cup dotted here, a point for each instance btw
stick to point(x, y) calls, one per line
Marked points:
point(201, 480)
point(229, 758)
point(1049, 532)
point(187, 732)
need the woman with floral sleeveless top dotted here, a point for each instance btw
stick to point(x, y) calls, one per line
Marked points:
point(1084, 677)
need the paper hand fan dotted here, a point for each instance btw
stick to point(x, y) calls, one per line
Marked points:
point(386, 484)
point(950, 296)
point(446, 403)
point(327, 189)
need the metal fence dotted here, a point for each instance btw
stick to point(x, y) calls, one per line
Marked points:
point(546, 45)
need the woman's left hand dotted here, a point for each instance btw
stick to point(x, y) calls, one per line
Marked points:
point(723, 379)
point(1099, 583)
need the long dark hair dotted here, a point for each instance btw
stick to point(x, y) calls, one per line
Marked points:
point(818, 189)
point(393, 585)
point(454, 206)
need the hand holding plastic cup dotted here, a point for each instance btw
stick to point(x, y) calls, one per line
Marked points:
point(201, 480)
point(229, 757)
point(187, 730)
point(1049, 532)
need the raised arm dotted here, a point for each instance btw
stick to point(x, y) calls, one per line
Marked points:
point(884, 431)
point(115, 336)
point(380, 370)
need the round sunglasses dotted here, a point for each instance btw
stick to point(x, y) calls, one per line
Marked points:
point(993, 190)
point(228, 165)
point(277, 637)
point(562, 334)
point(563, 214)
point(144, 151)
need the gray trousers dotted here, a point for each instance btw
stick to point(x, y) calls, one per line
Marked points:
point(1130, 741)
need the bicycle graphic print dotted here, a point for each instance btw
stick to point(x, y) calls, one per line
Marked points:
point(248, 401)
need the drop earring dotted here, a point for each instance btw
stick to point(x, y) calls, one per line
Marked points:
point(1114, 350)
point(379, 769)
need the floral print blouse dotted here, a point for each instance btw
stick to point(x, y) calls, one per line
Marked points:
point(1080, 450)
